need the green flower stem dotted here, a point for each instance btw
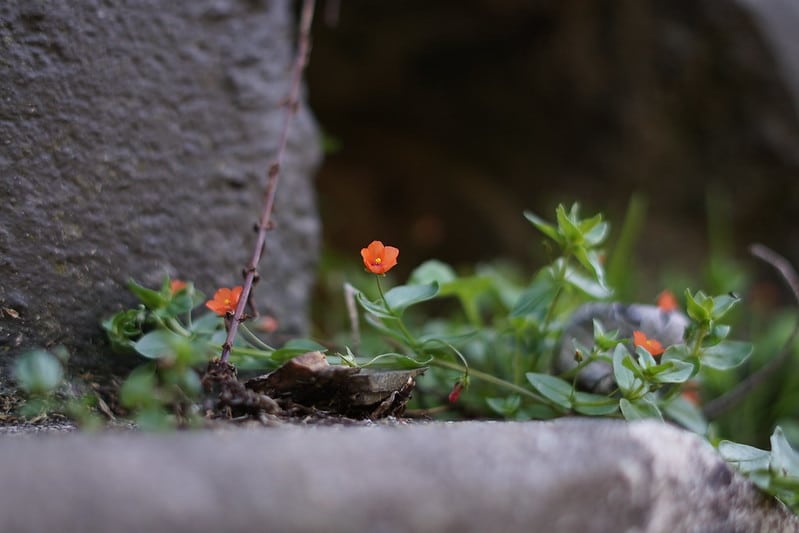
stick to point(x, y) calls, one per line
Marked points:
point(560, 279)
point(410, 338)
point(175, 327)
point(250, 337)
point(489, 378)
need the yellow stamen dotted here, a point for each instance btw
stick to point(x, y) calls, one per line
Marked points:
point(378, 261)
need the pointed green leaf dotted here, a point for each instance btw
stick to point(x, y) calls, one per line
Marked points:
point(598, 233)
point(726, 355)
point(695, 306)
point(554, 389)
point(722, 305)
point(399, 298)
point(544, 227)
point(158, 344)
point(674, 372)
point(536, 298)
point(375, 308)
point(590, 287)
point(151, 299)
point(567, 226)
point(645, 358)
point(784, 459)
point(625, 378)
point(507, 406)
point(432, 271)
point(745, 458)
point(639, 409)
point(686, 414)
point(594, 404)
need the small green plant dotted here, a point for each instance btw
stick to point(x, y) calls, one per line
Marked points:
point(776, 472)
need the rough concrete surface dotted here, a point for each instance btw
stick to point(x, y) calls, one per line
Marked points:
point(564, 476)
point(134, 142)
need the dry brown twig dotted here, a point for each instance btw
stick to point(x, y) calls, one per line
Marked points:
point(273, 174)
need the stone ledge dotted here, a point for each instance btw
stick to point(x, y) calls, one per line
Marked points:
point(563, 476)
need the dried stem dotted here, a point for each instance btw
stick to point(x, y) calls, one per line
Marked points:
point(728, 400)
point(273, 173)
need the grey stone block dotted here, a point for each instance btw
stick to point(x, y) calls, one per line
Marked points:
point(134, 142)
point(564, 476)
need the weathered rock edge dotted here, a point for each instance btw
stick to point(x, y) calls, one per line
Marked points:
point(569, 475)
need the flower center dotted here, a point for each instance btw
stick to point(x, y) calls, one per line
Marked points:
point(378, 260)
point(227, 301)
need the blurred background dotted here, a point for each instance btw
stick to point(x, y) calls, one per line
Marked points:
point(445, 120)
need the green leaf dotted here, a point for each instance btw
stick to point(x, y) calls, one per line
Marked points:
point(375, 308)
point(158, 344)
point(695, 306)
point(639, 409)
point(592, 288)
point(151, 299)
point(722, 305)
point(139, 388)
point(784, 459)
point(536, 298)
point(554, 389)
point(432, 271)
point(207, 323)
point(38, 372)
point(567, 225)
point(507, 406)
point(745, 458)
point(674, 372)
point(445, 340)
point(400, 298)
point(625, 378)
point(389, 326)
point(598, 233)
point(677, 352)
point(396, 361)
point(544, 227)
point(687, 415)
point(645, 358)
point(590, 260)
point(726, 355)
point(594, 404)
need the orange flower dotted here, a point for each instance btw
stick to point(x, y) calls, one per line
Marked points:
point(650, 345)
point(176, 285)
point(225, 300)
point(379, 259)
point(667, 301)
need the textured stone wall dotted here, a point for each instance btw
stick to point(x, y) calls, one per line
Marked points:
point(134, 139)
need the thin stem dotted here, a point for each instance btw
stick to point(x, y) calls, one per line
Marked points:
point(410, 338)
point(489, 378)
point(273, 174)
point(726, 401)
point(561, 279)
point(253, 339)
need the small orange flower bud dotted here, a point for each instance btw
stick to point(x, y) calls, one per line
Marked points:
point(176, 285)
point(379, 259)
point(667, 301)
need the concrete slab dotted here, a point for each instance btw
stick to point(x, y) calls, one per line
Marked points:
point(563, 476)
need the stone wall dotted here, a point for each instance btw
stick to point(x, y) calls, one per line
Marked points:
point(134, 140)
